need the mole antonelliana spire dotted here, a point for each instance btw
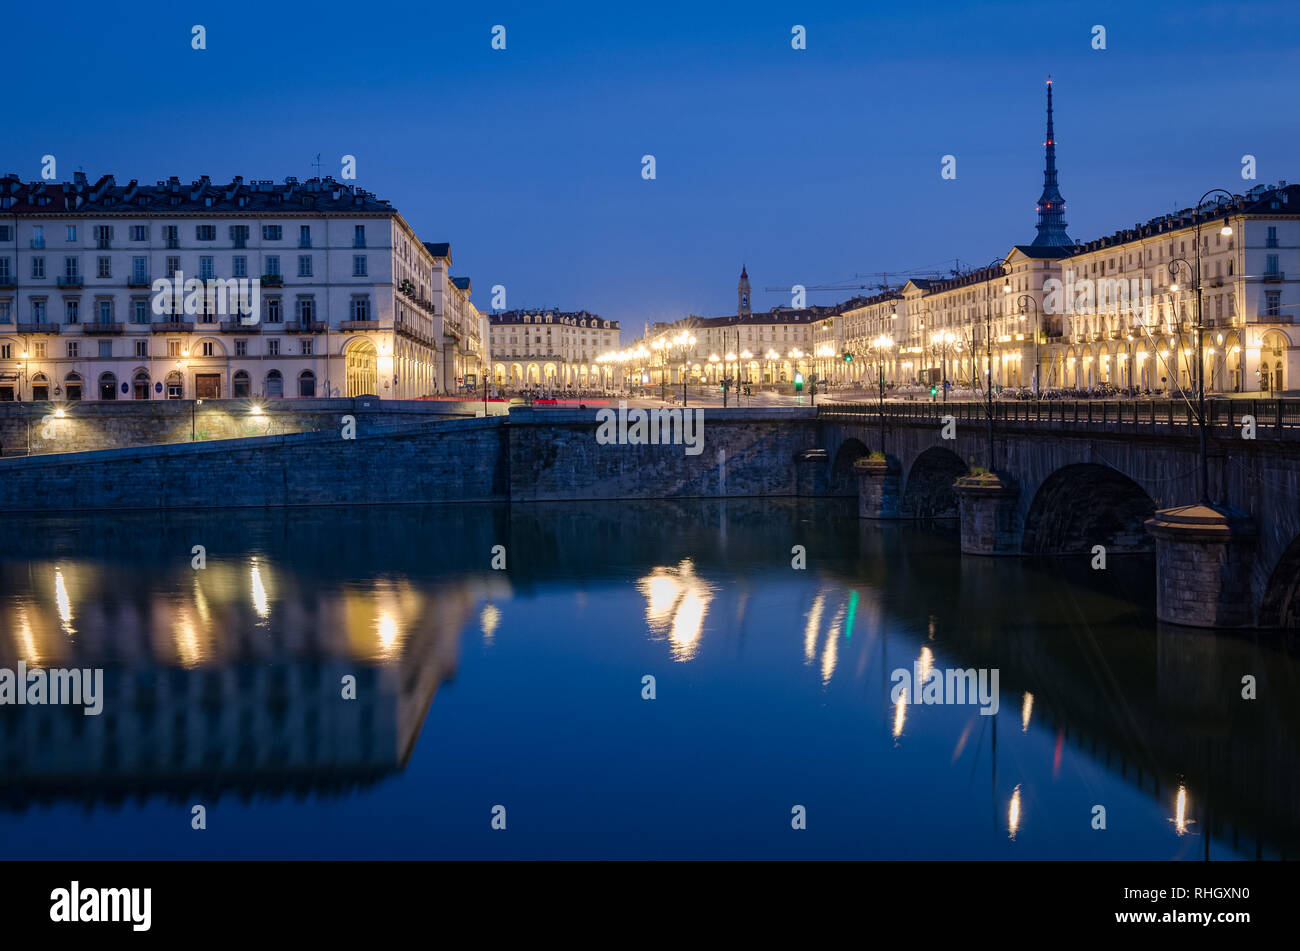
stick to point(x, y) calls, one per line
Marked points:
point(1051, 206)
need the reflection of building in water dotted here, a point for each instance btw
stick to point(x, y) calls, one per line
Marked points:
point(229, 678)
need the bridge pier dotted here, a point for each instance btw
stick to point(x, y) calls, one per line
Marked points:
point(879, 487)
point(989, 523)
point(1204, 556)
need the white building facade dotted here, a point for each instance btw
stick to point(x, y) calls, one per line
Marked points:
point(347, 294)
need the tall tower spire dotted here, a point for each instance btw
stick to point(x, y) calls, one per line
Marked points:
point(1051, 206)
point(742, 293)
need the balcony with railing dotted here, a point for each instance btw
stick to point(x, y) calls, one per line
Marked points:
point(172, 326)
point(138, 280)
point(237, 326)
point(102, 328)
point(272, 280)
point(359, 325)
point(71, 280)
point(1273, 277)
point(38, 243)
point(37, 328)
point(6, 280)
point(305, 327)
point(173, 243)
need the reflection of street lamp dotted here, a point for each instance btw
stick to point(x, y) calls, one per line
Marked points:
point(193, 406)
point(1225, 230)
point(772, 356)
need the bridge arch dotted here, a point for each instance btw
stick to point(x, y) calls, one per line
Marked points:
point(928, 492)
point(843, 479)
point(1280, 605)
point(1086, 504)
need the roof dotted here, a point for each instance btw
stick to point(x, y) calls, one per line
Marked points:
point(557, 316)
point(439, 249)
point(235, 198)
point(461, 282)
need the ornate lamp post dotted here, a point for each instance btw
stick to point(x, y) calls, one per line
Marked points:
point(1195, 272)
point(881, 344)
point(1022, 300)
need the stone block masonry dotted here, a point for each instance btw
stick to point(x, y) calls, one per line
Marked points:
point(122, 424)
point(457, 460)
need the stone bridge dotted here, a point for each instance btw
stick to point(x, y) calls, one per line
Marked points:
point(1068, 477)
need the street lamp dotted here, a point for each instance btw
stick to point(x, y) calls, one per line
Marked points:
point(1225, 230)
point(1022, 300)
point(882, 343)
point(945, 338)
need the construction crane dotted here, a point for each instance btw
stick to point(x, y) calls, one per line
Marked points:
point(881, 285)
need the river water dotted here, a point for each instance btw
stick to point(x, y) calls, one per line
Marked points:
point(776, 634)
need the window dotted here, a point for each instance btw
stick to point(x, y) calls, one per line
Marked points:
point(74, 350)
point(72, 232)
point(1271, 242)
point(205, 232)
point(72, 384)
point(272, 265)
point(140, 270)
point(71, 267)
point(173, 348)
point(171, 234)
point(4, 271)
point(359, 236)
point(139, 232)
point(105, 348)
point(273, 347)
point(361, 309)
point(307, 384)
point(1270, 264)
point(6, 312)
point(239, 266)
point(142, 348)
point(38, 349)
point(72, 311)
point(241, 350)
point(1272, 303)
point(142, 385)
point(304, 265)
point(38, 268)
point(304, 346)
point(6, 351)
point(103, 266)
point(206, 269)
point(173, 265)
point(140, 311)
point(242, 383)
point(103, 236)
point(105, 308)
point(5, 233)
point(272, 232)
point(274, 314)
point(274, 384)
point(239, 235)
point(38, 236)
point(207, 348)
point(304, 236)
point(359, 265)
point(306, 308)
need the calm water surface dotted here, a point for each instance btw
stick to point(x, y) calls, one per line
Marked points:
point(523, 688)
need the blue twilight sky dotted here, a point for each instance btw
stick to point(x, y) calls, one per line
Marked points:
point(808, 166)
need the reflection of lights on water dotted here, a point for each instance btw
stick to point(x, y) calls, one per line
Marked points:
point(25, 641)
point(900, 713)
point(260, 603)
point(489, 620)
point(814, 622)
point(187, 643)
point(1026, 710)
point(688, 623)
point(661, 593)
point(830, 653)
point(676, 604)
point(927, 665)
point(1013, 812)
point(387, 627)
point(64, 602)
point(852, 615)
point(201, 602)
point(1180, 820)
